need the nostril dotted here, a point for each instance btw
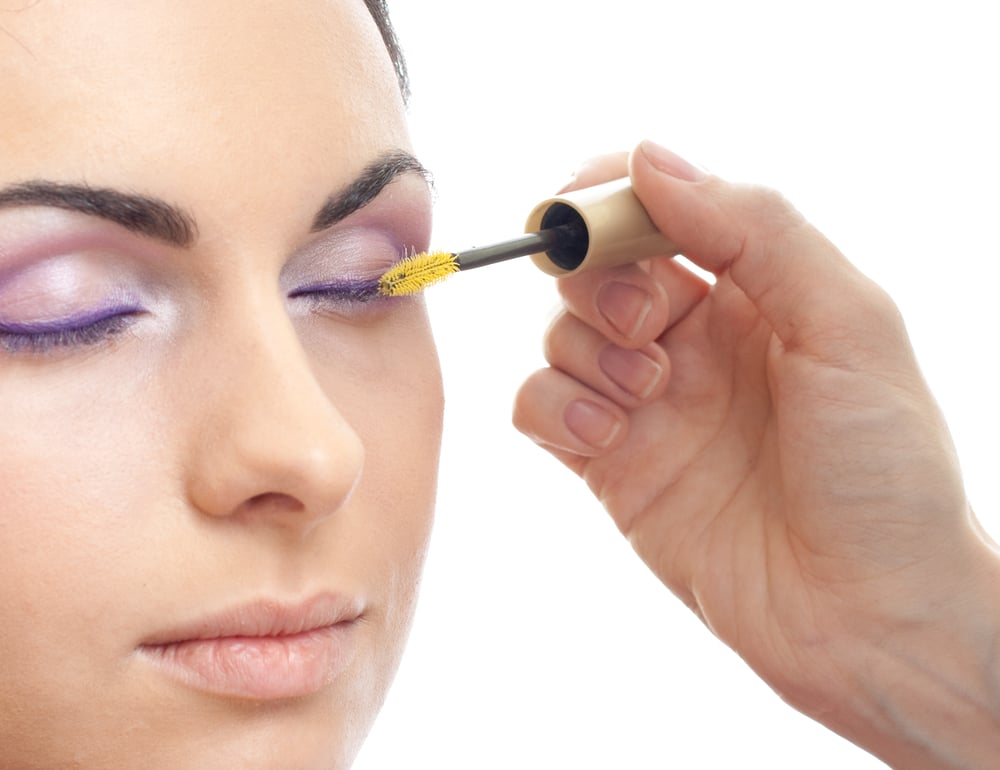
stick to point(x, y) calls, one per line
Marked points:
point(271, 445)
point(274, 501)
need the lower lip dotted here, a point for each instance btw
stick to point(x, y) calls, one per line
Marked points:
point(259, 667)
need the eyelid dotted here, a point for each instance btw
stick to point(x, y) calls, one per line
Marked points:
point(61, 288)
point(39, 339)
point(69, 323)
point(79, 295)
point(37, 234)
point(347, 262)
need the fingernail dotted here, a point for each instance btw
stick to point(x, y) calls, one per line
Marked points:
point(632, 371)
point(670, 163)
point(567, 185)
point(624, 306)
point(592, 424)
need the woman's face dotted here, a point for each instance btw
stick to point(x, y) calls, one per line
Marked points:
point(218, 447)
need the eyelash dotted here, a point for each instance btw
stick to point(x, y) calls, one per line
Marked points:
point(45, 337)
point(42, 338)
point(361, 292)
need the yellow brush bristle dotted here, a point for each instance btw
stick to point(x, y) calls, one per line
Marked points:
point(413, 274)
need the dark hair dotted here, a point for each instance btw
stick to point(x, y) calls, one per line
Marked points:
point(380, 12)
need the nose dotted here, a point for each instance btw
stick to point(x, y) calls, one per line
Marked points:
point(268, 443)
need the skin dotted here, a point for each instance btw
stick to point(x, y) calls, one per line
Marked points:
point(235, 441)
point(772, 454)
point(768, 446)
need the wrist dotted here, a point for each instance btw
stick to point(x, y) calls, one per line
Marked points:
point(923, 688)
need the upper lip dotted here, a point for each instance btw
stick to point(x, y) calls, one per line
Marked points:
point(264, 618)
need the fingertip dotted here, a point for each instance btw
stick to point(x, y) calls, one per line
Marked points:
point(690, 208)
point(566, 417)
point(637, 376)
point(626, 304)
point(797, 280)
point(597, 170)
point(664, 161)
point(593, 423)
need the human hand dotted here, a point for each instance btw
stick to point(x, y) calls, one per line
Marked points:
point(768, 446)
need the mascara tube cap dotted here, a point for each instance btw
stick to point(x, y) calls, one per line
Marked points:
point(609, 227)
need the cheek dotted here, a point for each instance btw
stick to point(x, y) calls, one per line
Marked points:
point(392, 396)
point(72, 458)
point(71, 544)
point(87, 484)
point(388, 387)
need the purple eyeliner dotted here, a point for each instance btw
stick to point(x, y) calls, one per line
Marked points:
point(73, 323)
point(347, 290)
point(83, 329)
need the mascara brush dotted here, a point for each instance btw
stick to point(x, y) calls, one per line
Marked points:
point(596, 227)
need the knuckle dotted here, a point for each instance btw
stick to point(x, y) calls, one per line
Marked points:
point(770, 224)
point(771, 212)
point(881, 307)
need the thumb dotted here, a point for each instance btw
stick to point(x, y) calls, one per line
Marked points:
point(799, 282)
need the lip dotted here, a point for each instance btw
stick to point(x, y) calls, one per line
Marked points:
point(264, 650)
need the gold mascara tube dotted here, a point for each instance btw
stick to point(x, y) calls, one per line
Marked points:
point(586, 229)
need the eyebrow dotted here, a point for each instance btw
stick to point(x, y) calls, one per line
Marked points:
point(138, 213)
point(373, 179)
point(163, 221)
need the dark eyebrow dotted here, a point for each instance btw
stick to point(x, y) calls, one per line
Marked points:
point(138, 213)
point(164, 221)
point(366, 187)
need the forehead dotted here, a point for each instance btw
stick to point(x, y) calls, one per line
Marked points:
point(104, 88)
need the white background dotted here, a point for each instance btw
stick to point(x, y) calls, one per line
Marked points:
point(541, 642)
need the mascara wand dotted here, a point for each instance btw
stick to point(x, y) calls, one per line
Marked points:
point(412, 274)
point(592, 228)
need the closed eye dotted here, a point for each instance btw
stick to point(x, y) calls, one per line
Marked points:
point(41, 337)
point(341, 291)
